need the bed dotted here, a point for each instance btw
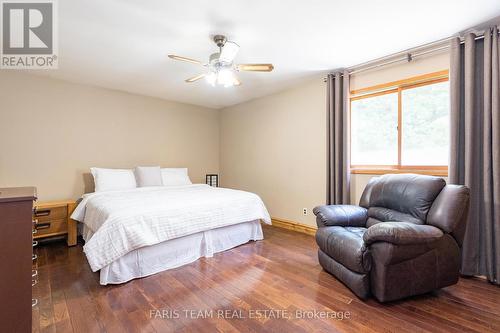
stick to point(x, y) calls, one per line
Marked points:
point(137, 232)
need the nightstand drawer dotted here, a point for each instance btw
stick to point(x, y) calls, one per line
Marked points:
point(53, 219)
point(49, 214)
point(51, 227)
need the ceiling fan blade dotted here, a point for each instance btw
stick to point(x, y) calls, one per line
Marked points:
point(229, 51)
point(195, 78)
point(255, 67)
point(176, 57)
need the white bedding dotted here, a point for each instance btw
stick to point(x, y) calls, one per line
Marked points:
point(177, 252)
point(122, 221)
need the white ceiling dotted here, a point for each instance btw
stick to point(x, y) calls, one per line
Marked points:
point(124, 44)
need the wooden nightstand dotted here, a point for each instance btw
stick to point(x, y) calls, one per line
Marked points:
point(53, 219)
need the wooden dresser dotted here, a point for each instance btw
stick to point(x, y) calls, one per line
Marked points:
point(52, 219)
point(16, 258)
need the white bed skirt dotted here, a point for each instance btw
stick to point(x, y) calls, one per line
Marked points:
point(179, 251)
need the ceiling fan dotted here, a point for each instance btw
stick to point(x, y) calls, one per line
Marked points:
point(221, 66)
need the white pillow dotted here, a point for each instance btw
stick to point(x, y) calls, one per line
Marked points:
point(148, 176)
point(113, 179)
point(175, 176)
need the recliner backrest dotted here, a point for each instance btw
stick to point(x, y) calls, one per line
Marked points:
point(400, 197)
point(364, 201)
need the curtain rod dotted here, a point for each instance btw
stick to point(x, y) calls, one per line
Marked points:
point(406, 55)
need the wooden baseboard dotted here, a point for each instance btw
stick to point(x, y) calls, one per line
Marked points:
point(295, 226)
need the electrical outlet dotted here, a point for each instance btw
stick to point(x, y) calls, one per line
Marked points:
point(304, 211)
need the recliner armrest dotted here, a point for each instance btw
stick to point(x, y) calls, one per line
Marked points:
point(340, 215)
point(402, 233)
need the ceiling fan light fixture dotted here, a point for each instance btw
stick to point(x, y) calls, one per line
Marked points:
point(211, 78)
point(225, 77)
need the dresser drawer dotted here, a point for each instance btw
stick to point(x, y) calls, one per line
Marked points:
point(50, 213)
point(51, 227)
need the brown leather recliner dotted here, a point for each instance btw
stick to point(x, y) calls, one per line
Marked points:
point(403, 239)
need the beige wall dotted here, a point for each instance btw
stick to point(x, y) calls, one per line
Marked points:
point(275, 145)
point(418, 66)
point(52, 132)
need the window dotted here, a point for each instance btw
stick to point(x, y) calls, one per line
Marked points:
point(374, 128)
point(401, 126)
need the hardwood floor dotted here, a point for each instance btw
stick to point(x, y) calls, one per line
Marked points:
point(280, 273)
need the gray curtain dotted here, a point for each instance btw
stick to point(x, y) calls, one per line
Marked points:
point(337, 168)
point(475, 147)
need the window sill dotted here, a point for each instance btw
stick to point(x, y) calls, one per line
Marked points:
point(382, 171)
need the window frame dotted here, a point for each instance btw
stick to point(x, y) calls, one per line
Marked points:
point(389, 88)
